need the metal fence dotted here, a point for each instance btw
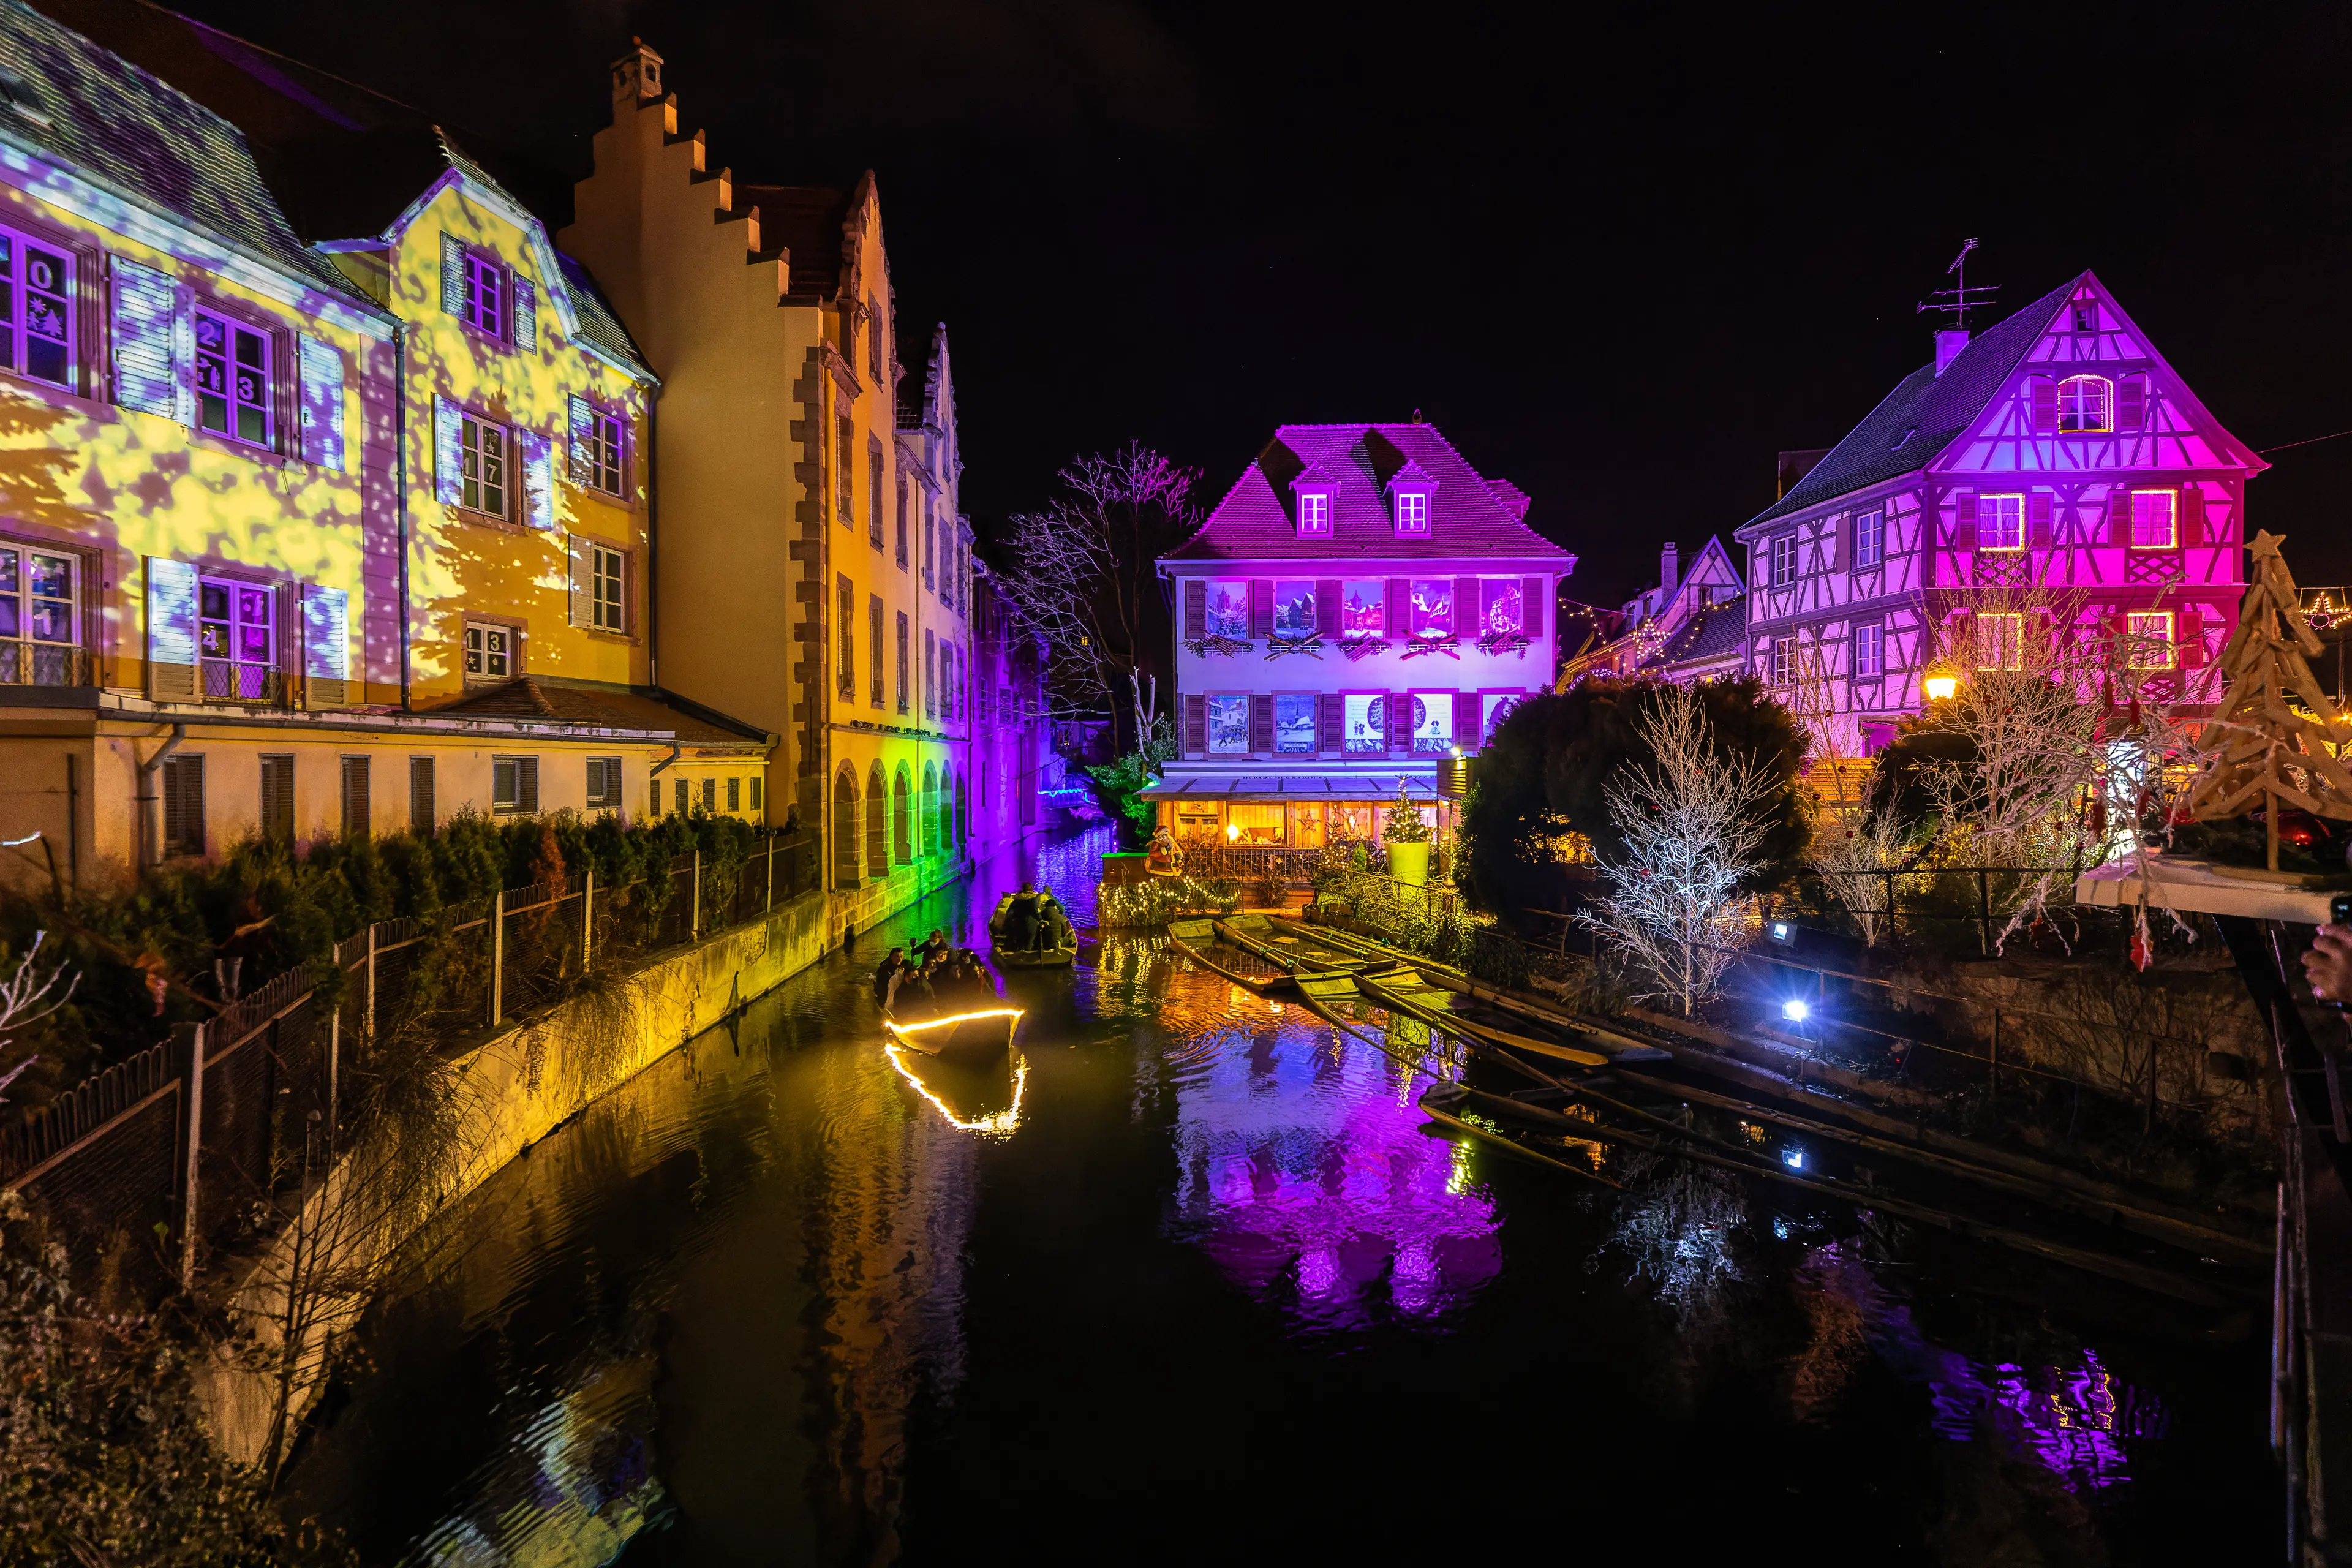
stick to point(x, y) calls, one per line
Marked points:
point(189, 1144)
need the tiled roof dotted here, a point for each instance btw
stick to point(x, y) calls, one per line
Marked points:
point(98, 114)
point(598, 324)
point(1467, 518)
point(1925, 413)
point(1710, 633)
point(527, 698)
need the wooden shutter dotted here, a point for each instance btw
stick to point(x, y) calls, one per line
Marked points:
point(538, 478)
point(1532, 606)
point(453, 275)
point(1964, 527)
point(526, 313)
point(1468, 728)
point(2188, 638)
point(2192, 514)
point(2045, 405)
point(1196, 608)
point(2119, 519)
point(1468, 617)
point(147, 375)
point(1261, 608)
point(1330, 722)
point(278, 799)
point(2037, 519)
point(1401, 721)
point(355, 796)
point(527, 784)
point(448, 454)
point(580, 571)
point(1196, 726)
point(580, 434)
point(183, 805)
point(1399, 598)
point(326, 647)
point(1261, 722)
point(1842, 542)
point(2131, 403)
point(171, 630)
point(321, 367)
point(420, 795)
point(1327, 609)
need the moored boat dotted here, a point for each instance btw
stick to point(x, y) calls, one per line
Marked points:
point(1058, 947)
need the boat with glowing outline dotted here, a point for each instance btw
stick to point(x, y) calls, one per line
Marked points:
point(976, 1034)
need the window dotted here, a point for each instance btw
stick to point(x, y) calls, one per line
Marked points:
point(36, 617)
point(482, 464)
point(874, 341)
point(902, 661)
point(183, 805)
point(232, 379)
point(846, 500)
point(2150, 634)
point(1784, 661)
point(1314, 514)
point(930, 543)
point(2152, 519)
point(1433, 723)
point(1228, 610)
point(603, 783)
point(2000, 642)
point(1228, 725)
point(604, 588)
point(1784, 561)
point(931, 677)
point(2086, 316)
point(1869, 537)
point(1363, 608)
point(2084, 403)
point(599, 459)
point(848, 681)
point(355, 797)
point(678, 796)
point(1497, 705)
point(484, 291)
point(1869, 650)
point(1364, 719)
point(1501, 611)
point(874, 501)
point(734, 794)
point(873, 636)
point(2000, 522)
point(420, 795)
point(1294, 612)
point(236, 636)
point(1429, 607)
point(278, 798)
point(1413, 511)
point(514, 786)
point(710, 797)
point(1294, 725)
point(902, 522)
point(490, 651)
point(755, 795)
point(36, 318)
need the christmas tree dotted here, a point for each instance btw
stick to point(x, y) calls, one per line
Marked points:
point(2261, 751)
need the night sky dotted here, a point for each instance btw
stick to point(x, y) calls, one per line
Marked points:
point(1620, 263)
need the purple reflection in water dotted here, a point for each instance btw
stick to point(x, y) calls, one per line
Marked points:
point(1304, 1163)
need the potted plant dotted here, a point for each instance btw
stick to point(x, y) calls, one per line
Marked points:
point(1408, 842)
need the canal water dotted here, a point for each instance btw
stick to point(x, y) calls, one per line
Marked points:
point(1192, 1280)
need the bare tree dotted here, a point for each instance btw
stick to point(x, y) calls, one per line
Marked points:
point(1692, 824)
point(1851, 846)
point(26, 1000)
point(1082, 576)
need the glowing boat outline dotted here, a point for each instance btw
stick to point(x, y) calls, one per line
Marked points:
point(925, 1034)
point(1000, 1125)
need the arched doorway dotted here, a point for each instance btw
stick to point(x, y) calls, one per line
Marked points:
point(845, 828)
point(901, 825)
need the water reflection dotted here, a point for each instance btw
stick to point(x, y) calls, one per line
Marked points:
point(964, 1094)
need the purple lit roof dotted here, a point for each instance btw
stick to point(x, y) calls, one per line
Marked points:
point(1469, 515)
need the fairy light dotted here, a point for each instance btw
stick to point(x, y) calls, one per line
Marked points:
point(1000, 1125)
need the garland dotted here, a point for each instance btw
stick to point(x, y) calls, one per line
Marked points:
point(1357, 648)
point(1450, 646)
point(1503, 642)
point(1215, 643)
point(1312, 647)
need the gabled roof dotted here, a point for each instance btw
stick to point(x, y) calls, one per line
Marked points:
point(1711, 633)
point(84, 108)
point(1926, 412)
point(1256, 521)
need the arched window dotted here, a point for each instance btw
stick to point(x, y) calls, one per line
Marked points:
point(963, 817)
point(845, 828)
point(878, 854)
point(902, 825)
point(2085, 403)
point(947, 808)
point(930, 809)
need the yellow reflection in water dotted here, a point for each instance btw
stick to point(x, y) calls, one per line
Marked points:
point(1000, 1125)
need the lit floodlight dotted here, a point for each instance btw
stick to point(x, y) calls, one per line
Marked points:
point(1795, 1010)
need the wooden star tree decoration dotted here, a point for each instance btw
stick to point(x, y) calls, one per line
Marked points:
point(2262, 751)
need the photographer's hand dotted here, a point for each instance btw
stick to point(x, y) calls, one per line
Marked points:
point(2328, 965)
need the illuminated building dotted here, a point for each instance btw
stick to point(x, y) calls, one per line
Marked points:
point(1360, 605)
point(1687, 628)
point(2057, 448)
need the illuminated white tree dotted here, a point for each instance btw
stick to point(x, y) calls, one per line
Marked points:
point(26, 998)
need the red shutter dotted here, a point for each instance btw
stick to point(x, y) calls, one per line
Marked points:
point(2192, 514)
point(1330, 722)
point(2188, 637)
point(2037, 519)
point(1196, 612)
point(2131, 403)
point(1531, 607)
point(1401, 721)
point(1964, 528)
point(2045, 405)
point(2119, 517)
point(1260, 622)
point(1262, 724)
point(1469, 615)
point(1959, 634)
point(1196, 726)
point(1399, 597)
point(1327, 609)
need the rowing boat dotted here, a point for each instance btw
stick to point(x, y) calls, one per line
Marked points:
point(978, 1034)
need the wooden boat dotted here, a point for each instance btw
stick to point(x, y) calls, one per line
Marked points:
point(1190, 937)
point(1061, 955)
point(978, 1034)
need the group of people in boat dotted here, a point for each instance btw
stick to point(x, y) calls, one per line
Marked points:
point(935, 974)
point(1033, 922)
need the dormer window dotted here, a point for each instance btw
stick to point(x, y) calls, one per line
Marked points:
point(2086, 316)
point(1409, 493)
point(1313, 511)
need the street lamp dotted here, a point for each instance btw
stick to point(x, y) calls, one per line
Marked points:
point(1941, 684)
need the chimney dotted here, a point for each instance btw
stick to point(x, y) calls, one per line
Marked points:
point(636, 76)
point(1948, 344)
point(1669, 571)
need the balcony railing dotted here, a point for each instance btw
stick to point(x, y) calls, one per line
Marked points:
point(261, 684)
point(45, 664)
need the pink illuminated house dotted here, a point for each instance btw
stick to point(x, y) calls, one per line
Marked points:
point(2058, 447)
point(1360, 605)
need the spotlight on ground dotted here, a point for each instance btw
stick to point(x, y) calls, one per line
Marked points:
point(1795, 1010)
point(1794, 1159)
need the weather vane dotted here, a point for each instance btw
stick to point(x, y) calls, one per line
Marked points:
point(1959, 298)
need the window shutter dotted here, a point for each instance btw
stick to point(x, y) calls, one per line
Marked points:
point(527, 784)
point(1330, 722)
point(326, 647)
point(278, 799)
point(1196, 726)
point(2188, 638)
point(420, 795)
point(183, 805)
point(146, 375)
point(2045, 405)
point(1327, 607)
point(2119, 521)
point(1467, 721)
point(1196, 608)
point(355, 796)
point(1261, 608)
point(526, 313)
point(1532, 606)
point(582, 581)
point(1964, 529)
point(538, 478)
point(1841, 542)
point(1262, 724)
point(2192, 514)
point(320, 367)
point(2037, 519)
point(2131, 403)
point(1399, 598)
point(580, 429)
point(453, 275)
point(171, 630)
point(1401, 720)
point(448, 454)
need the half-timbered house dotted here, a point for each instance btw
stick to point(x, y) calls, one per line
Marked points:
point(2056, 451)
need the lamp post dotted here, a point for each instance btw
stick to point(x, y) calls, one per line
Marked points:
point(1942, 683)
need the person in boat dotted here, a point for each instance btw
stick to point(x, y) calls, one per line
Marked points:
point(1020, 919)
point(932, 948)
point(886, 972)
point(910, 994)
point(1053, 923)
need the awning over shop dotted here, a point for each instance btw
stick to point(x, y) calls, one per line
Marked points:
point(1361, 788)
